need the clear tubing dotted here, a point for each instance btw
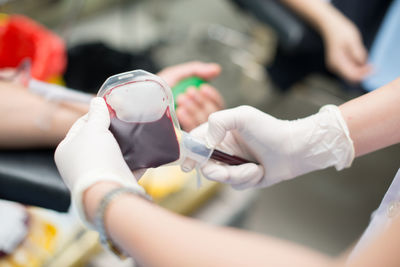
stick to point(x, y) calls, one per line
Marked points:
point(57, 93)
point(200, 153)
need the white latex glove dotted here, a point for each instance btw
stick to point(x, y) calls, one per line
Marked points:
point(90, 154)
point(283, 149)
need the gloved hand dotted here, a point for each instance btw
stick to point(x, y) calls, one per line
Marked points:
point(283, 149)
point(90, 154)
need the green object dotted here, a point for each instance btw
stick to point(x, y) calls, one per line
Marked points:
point(183, 85)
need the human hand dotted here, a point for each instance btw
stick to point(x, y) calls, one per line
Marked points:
point(283, 149)
point(345, 53)
point(194, 106)
point(90, 154)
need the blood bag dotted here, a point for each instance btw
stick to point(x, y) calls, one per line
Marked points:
point(144, 123)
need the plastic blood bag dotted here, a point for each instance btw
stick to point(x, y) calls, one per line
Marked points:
point(144, 123)
point(141, 119)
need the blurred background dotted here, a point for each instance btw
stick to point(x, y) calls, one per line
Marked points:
point(325, 210)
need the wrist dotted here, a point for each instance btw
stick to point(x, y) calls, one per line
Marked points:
point(331, 23)
point(321, 140)
point(334, 130)
point(93, 196)
point(91, 178)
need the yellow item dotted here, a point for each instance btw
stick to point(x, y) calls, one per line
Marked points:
point(38, 246)
point(163, 181)
point(58, 79)
point(3, 19)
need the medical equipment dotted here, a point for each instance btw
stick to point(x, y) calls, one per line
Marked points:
point(52, 92)
point(145, 126)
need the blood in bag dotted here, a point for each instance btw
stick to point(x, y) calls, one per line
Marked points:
point(147, 144)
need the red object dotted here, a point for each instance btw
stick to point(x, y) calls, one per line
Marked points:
point(228, 159)
point(22, 38)
point(146, 144)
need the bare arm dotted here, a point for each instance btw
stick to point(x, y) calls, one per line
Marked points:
point(345, 53)
point(157, 237)
point(28, 120)
point(318, 13)
point(383, 251)
point(374, 119)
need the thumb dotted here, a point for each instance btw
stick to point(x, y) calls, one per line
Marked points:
point(98, 115)
point(221, 122)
